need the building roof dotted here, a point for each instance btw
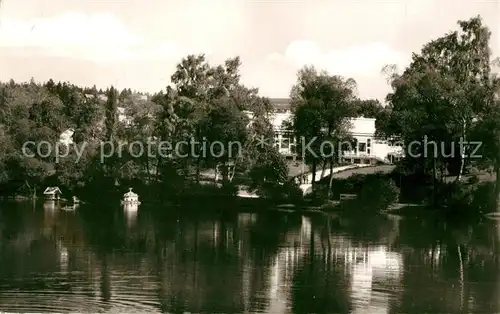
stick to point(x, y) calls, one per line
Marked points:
point(66, 137)
point(280, 103)
point(130, 193)
point(279, 100)
point(52, 190)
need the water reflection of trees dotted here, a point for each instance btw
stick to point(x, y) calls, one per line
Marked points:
point(458, 266)
point(319, 287)
point(38, 259)
point(228, 265)
point(446, 268)
point(339, 270)
point(270, 262)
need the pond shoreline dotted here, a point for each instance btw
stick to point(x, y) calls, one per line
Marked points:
point(227, 203)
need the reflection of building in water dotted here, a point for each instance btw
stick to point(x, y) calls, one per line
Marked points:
point(49, 220)
point(305, 229)
point(284, 266)
point(277, 298)
point(270, 274)
point(49, 205)
point(374, 273)
point(245, 219)
point(215, 229)
point(63, 257)
point(131, 217)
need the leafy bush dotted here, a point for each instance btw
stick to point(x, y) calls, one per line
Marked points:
point(473, 180)
point(293, 192)
point(229, 189)
point(455, 196)
point(355, 182)
point(192, 188)
point(462, 199)
point(319, 196)
point(378, 192)
point(287, 192)
point(269, 175)
point(484, 198)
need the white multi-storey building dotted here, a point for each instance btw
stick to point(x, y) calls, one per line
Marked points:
point(284, 139)
point(368, 148)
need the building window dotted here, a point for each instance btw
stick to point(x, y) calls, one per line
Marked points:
point(368, 151)
point(276, 140)
point(285, 143)
point(368, 143)
point(346, 147)
point(362, 147)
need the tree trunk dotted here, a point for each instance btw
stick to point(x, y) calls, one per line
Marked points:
point(442, 170)
point(461, 274)
point(216, 174)
point(497, 181)
point(225, 173)
point(323, 169)
point(314, 169)
point(330, 184)
point(231, 174)
point(148, 172)
point(497, 185)
point(313, 173)
point(198, 160)
point(462, 153)
point(198, 170)
point(157, 170)
point(434, 185)
point(32, 192)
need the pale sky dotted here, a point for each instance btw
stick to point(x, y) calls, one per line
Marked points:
point(136, 44)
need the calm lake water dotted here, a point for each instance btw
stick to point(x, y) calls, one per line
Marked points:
point(106, 260)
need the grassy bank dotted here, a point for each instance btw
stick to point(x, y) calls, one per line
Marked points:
point(392, 191)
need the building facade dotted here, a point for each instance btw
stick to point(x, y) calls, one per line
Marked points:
point(283, 137)
point(368, 148)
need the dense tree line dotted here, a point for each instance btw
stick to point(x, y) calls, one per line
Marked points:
point(205, 103)
point(447, 95)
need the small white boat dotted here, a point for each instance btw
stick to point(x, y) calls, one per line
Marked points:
point(130, 200)
point(69, 208)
